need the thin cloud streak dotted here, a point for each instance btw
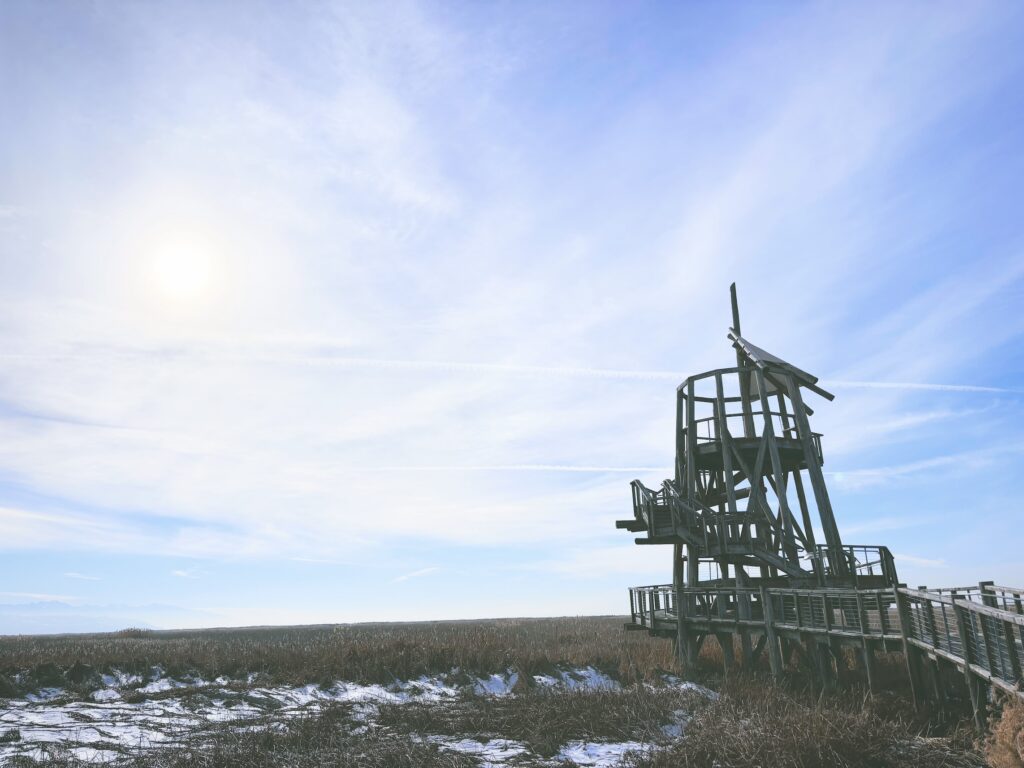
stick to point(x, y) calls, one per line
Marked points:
point(963, 462)
point(415, 574)
point(911, 385)
point(39, 596)
point(922, 561)
point(502, 468)
point(223, 356)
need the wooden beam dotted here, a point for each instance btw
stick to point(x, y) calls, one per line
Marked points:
point(828, 520)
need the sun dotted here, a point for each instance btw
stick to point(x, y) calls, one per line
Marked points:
point(182, 272)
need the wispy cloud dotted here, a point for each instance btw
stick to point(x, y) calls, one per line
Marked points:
point(242, 351)
point(912, 385)
point(505, 468)
point(416, 574)
point(964, 463)
point(591, 562)
point(81, 576)
point(921, 561)
point(12, 211)
point(885, 524)
point(40, 596)
point(864, 478)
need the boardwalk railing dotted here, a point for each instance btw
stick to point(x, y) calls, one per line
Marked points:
point(973, 629)
point(979, 629)
point(846, 612)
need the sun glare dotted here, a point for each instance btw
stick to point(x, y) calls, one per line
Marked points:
point(182, 271)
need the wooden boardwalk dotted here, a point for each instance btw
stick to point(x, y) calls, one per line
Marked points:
point(978, 630)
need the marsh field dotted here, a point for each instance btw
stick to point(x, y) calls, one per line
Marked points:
point(507, 692)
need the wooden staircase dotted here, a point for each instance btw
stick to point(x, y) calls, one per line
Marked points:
point(667, 518)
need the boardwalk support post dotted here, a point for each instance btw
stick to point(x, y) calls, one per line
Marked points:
point(975, 688)
point(911, 654)
point(772, 640)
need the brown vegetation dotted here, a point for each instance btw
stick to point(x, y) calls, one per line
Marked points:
point(755, 723)
point(544, 720)
point(1005, 745)
point(368, 653)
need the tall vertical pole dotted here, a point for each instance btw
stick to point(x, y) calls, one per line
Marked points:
point(744, 374)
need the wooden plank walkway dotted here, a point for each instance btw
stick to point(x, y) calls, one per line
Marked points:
point(978, 629)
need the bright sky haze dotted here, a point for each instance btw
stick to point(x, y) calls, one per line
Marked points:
point(330, 312)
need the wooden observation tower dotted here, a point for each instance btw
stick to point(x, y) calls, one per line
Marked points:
point(743, 515)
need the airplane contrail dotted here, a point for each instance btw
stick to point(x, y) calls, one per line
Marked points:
point(328, 359)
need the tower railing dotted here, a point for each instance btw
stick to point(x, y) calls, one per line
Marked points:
point(645, 603)
point(707, 430)
point(859, 560)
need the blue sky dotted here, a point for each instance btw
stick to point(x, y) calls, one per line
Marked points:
point(358, 311)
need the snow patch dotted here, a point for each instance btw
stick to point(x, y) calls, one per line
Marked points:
point(493, 753)
point(686, 685)
point(44, 695)
point(91, 728)
point(118, 679)
point(680, 719)
point(497, 684)
point(427, 689)
point(587, 678)
point(599, 754)
point(161, 685)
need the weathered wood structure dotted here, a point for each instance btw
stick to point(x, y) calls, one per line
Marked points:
point(740, 515)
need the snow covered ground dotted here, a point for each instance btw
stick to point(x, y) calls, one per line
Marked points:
point(124, 715)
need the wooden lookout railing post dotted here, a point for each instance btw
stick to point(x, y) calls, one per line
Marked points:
point(1011, 651)
point(987, 596)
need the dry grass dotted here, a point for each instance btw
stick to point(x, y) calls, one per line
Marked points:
point(1005, 745)
point(754, 724)
point(545, 720)
point(368, 653)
